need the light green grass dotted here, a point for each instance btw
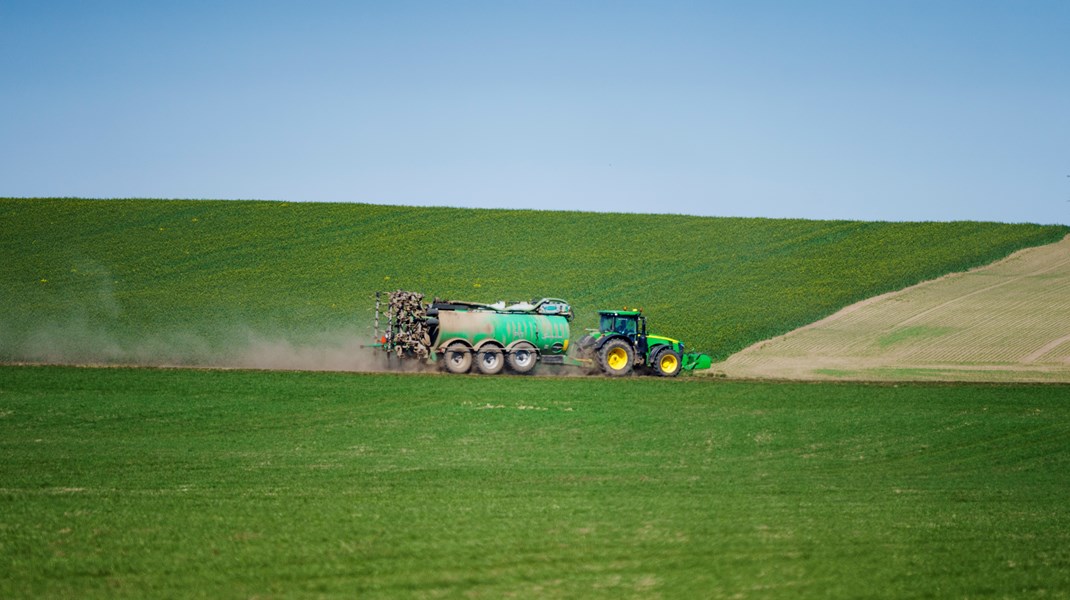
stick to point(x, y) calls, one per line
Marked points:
point(188, 281)
point(837, 372)
point(173, 483)
point(913, 334)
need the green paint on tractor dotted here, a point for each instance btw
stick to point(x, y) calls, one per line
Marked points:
point(621, 344)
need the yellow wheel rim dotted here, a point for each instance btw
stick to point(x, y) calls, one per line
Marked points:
point(617, 359)
point(669, 363)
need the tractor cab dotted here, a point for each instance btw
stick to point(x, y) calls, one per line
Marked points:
point(629, 323)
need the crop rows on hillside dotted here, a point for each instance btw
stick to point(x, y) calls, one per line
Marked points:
point(128, 280)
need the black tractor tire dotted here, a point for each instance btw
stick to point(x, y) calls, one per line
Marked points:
point(616, 358)
point(457, 358)
point(522, 358)
point(666, 362)
point(490, 360)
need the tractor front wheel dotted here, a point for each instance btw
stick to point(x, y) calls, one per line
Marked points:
point(616, 358)
point(666, 363)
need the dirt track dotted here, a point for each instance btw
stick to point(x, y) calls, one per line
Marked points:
point(1008, 321)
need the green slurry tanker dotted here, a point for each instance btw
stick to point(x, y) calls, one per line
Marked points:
point(519, 336)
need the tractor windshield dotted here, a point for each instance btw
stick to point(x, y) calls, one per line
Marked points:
point(625, 325)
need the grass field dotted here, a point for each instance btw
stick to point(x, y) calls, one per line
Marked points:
point(203, 282)
point(255, 484)
point(179, 483)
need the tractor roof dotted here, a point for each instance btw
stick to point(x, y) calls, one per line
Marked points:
point(621, 313)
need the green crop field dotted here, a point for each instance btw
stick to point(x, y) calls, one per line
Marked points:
point(240, 484)
point(198, 282)
point(256, 484)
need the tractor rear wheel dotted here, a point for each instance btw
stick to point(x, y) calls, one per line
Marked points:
point(458, 358)
point(490, 360)
point(666, 363)
point(616, 358)
point(522, 358)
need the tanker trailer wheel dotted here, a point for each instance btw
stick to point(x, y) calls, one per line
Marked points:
point(666, 362)
point(616, 358)
point(490, 360)
point(523, 358)
point(457, 358)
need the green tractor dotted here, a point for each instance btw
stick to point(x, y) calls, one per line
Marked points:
point(622, 344)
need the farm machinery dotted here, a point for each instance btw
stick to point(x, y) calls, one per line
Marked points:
point(491, 337)
point(621, 343)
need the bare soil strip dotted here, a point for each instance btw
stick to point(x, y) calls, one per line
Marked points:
point(1008, 321)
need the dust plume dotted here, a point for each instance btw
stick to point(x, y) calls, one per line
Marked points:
point(91, 326)
point(85, 321)
point(80, 341)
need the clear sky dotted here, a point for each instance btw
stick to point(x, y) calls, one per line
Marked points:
point(853, 109)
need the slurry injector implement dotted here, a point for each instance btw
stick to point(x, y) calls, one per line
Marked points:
point(519, 336)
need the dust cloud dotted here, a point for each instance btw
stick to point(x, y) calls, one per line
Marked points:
point(89, 327)
point(85, 322)
point(84, 342)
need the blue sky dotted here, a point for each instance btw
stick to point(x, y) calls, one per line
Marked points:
point(893, 110)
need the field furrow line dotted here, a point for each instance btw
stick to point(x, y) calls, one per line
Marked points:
point(1046, 348)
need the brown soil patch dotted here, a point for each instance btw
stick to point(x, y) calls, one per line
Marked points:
point(1008, 321)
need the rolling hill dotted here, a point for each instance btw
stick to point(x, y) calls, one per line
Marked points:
point(181, 482)
point(199, 282)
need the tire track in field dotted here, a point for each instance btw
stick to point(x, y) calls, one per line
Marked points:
point(1046, 348)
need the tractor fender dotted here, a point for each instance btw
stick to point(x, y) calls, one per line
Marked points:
point(605, 340)
point(654, 341)
point(651, 348)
